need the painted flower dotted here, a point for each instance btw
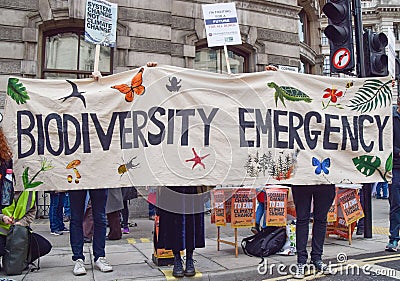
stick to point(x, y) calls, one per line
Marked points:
point(333, 94)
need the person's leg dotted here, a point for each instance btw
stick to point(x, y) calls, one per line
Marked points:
point(302, 200)
point(385, 190)
point(77, 201)
point(378, 190)
point(264, 217)
point(60, 211)
point(115, 226)
point(38, 247)
point(98, 198)
point(88, 223)
point(125, 215)
point(67, 209)
point(323, 196)
point(394, 215)
point(259, 214)
point(56, 224)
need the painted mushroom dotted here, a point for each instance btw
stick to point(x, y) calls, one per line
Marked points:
point(72, 165)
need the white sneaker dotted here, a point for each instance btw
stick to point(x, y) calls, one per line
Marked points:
point(103, 265)
point(79, 268)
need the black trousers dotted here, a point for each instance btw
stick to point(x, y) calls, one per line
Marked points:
point(38, 247)
point(322, 197)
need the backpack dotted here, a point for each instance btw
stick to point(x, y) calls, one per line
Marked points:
point(265, 243)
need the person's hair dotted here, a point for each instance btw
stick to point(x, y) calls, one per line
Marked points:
point(5, 151)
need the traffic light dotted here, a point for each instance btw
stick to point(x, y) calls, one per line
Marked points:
point(340, 34)
point(375, 58)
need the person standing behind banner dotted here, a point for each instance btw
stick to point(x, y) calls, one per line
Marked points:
point(181, 225)
point(322, 197)
point(56, 218)
point(394, 188)
point(114, 206)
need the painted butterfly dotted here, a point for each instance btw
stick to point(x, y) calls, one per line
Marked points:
point(135, 87)
point(321, 166)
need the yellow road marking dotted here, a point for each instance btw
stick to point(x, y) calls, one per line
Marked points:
point(145, 240)
point(131, 240)
point(168, 274)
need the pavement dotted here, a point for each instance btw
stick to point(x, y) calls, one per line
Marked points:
point(131, 257)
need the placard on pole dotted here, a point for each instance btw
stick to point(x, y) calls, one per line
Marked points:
point(222, 27)
point(100, 25)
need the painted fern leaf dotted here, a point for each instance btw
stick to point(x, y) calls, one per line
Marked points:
point(17, 91)
point(372, 94)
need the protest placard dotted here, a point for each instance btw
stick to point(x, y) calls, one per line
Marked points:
point(350, 205)
point(276, 206)
point(242, 208)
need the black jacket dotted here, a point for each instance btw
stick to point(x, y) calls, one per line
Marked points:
point(396, 138)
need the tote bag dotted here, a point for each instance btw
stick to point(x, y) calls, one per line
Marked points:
point(17, 249)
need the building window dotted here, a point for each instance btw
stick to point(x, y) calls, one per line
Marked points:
point(324, 40)
point(396, 30)
point(327, 66)
point(304, 25)
point(67, 55)
point(213, 59)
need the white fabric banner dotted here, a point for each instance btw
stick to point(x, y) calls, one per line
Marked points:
point(166, 125)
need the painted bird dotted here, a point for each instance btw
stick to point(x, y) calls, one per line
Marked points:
point(75, 93)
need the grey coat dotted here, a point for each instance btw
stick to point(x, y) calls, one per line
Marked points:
point(114, 200)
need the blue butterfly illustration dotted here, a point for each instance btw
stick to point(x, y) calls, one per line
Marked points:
point(321, 166)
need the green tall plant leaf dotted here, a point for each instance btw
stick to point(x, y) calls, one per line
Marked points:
point(372, 94)
point(17, 91)
point(367, 164)
point(389, 163)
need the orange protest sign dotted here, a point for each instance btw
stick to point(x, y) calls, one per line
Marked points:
point(276, 206)
point(219, 207)
point(350, 205)
point(242, 208)
point(333, 210)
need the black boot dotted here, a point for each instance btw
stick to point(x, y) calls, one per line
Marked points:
point(178, 267)
point(255, 229)
point(190, 270)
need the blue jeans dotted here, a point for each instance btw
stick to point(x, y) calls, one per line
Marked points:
point(67, 209)
point(77, 200)
point(56, 211)
point(394, 202)
point(384, 187)
point(260, 212)
point(323, 196)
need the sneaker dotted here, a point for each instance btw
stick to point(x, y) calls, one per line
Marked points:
point(102, 265)
point(125, 230)
point(300, 271)
point(56, 233)
point(322, 267)
point(391, 246)
point(65, 229)
point(79, 268)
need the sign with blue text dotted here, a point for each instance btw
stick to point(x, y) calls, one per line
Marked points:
point(101, 22)
point(222, 26)
point(171, 126)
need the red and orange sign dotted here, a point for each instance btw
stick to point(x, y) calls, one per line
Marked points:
point(276, 206)
point(219, 207)
point(350, 205)
point(242, 208)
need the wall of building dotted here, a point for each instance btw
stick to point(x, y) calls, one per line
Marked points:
point(165, 31)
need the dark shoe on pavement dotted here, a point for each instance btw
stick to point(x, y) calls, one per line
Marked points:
point(87, 240)
point(178, 267)
point(322, 267)
point(189, 270)
point(359, 231)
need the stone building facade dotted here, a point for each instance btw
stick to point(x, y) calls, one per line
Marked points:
point(284, 32)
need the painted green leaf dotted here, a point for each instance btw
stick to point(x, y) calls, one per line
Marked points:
point(389, 163)
point(25, 177)
point(372, 94)
point(367, 164)
point(17, 91)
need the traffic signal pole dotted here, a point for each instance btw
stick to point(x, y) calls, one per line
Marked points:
point(366, 187)
point(358, 28)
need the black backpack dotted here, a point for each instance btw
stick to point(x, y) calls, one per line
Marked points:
point(265, 243)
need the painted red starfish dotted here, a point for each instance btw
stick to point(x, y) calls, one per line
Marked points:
point(197, 159)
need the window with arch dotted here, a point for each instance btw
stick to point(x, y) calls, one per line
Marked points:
point(213, 59)
point(304, 28)
point(67, 55)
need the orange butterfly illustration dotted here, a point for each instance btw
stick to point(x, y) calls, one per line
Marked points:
point(135, 87)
